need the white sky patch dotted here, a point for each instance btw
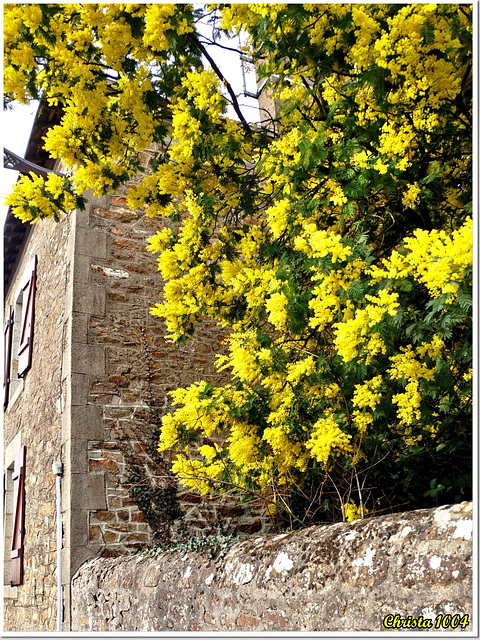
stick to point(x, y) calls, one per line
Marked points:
point(16, 128)
point(241, 76)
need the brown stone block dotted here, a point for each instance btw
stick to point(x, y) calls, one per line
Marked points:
point(190, 498)
point(247, 621)
point(253, 527)
point(139, 268)
point(231, 511)
point(107, 466)
point(129, 397)
point(121, 215)
point(109, 536)
point(117, 297)
point(114, 502)
point(94, 533)
point(119, 201)
point(102, 387)
point(119, 380)
point(119, 527)
point(103, 516)
point(138, 517)
point(137, 537)
point(131, 245)
point(116, 231)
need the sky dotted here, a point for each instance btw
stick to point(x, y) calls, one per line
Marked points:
point(16, 128)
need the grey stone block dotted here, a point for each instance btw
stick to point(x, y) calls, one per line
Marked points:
point(97, 201)
point(87, 422)
point(79, 327)
point(78, 384)
point(91, 242)
point(81, 269)
point(76, 457)
point(82, 218)
point(82, 553)
point(88, 358)
point(78, 524)
point(89, 491)
point(89, 298)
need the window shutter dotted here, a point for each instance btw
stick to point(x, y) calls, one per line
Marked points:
point(28, 311)
point(7, 355)
point(18, 478)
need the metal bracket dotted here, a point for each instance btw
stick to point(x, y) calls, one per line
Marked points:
point(12, 161)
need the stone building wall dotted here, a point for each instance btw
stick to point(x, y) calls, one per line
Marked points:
point(346, 577)
point(124, 368)
point(34, 418)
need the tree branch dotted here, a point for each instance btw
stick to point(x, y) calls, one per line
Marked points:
point(236, 106)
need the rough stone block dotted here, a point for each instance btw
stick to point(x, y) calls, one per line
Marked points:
point(88, 358)
point(88, 423)
point(90, 242)
point(89, 298)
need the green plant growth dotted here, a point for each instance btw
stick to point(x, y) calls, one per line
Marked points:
point(333, 238)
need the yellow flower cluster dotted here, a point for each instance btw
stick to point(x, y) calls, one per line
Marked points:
point(353, 334)
point(327, 438)
point(36, 197)
point(406, 366)
point(319, 244)
point(352, 512)
point(276, 307)
point(326, 293)
point(367, 394)
point(434, 258)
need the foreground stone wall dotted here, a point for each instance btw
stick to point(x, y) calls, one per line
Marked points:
point(341, 577)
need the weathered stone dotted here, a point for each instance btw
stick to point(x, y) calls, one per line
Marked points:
point(107, 466)
point(345, 577)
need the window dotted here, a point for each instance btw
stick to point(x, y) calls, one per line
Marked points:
point(7, 355)
point(14, 519)
point(7, 523)
point(26, 326)
point(18, 334)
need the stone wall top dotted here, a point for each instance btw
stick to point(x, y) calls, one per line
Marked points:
point(341, 577)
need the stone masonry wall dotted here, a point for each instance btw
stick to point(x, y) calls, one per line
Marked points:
point(34, 417)
point(124, 368)
point(343, 577)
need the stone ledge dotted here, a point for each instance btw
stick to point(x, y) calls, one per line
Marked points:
point(341, 577)
point(10, 592)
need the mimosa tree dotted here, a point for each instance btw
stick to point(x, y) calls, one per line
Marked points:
point(333, 240)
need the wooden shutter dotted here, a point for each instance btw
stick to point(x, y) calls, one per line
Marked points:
point(18, 478)
point(7, 355)
point(28, 311)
